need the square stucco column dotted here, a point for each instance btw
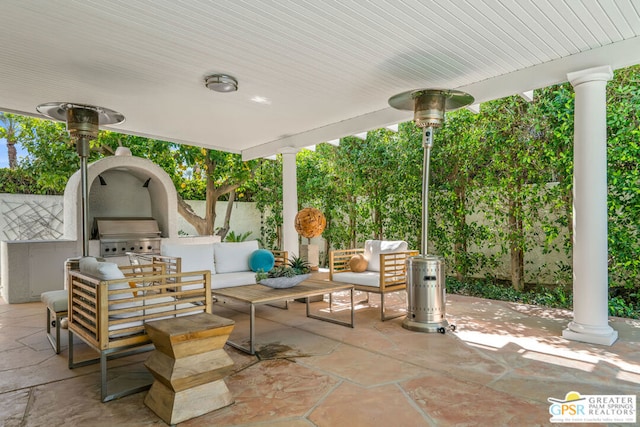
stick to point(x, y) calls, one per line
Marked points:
point(289, 201)
point(590, 249)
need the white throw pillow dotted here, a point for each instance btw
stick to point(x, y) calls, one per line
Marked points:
point(100, 269)
point(109, 271)
point(195, 257)
point(232, 257)
point(373, 249)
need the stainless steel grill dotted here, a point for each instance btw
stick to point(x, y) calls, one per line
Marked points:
point(121, 235)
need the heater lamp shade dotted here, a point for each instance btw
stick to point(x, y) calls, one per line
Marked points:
point(453, 99)
point(58, 111)
point(429, 105)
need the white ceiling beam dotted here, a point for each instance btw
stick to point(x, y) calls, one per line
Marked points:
point(374, 120)
point(618, 55)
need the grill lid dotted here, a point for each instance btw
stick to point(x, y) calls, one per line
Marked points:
point(125, 228)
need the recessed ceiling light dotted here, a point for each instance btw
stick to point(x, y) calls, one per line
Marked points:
point(261, 100)
point(221, 83)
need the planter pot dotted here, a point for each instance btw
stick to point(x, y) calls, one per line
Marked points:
point(284, 282)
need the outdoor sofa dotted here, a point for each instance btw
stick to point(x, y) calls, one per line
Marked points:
point(230, 263)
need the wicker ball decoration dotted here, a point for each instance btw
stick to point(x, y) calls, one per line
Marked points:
point(358, 263)
point(310, 222)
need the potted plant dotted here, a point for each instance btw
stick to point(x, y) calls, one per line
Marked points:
point(295, 271)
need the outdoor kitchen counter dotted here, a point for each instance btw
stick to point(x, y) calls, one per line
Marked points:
point(260, 294)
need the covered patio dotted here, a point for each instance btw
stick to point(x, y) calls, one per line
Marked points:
point(499, 368)
point(298, 75)
point(307, 74)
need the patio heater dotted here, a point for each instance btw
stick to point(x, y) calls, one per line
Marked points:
point(83, 122)
point(426, 273)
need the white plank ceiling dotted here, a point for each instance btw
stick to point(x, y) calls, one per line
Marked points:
point(325, 68)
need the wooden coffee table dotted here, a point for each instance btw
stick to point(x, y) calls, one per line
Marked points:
point(259, 294)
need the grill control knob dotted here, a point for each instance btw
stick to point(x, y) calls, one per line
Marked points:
point(149, 247)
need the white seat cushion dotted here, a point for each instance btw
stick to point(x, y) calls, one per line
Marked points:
point(373, 249)
point(150, 309)
point(228, 280)
point(57, 301)
point(366, 278)
point(232, 257)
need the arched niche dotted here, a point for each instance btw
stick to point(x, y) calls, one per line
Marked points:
point(130, 187)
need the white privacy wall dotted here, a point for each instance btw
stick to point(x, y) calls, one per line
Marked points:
point(31, 217)
point(32, 228)
point(35, 217)
point(245, 217)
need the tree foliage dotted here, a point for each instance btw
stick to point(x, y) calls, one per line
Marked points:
point(197, 173)
point(514, 177)
point(268, 197)
point(224, 174)
point(10, 132)
point(623, 137)
point(501, 187)
point(459, 163)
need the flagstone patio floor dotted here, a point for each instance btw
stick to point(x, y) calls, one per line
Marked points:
point(498, 368)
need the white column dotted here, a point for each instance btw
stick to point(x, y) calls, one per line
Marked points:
point(289, 201)
point(590, 274)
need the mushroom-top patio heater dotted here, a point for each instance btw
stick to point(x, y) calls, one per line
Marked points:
point(83, 122)
point(425, 273)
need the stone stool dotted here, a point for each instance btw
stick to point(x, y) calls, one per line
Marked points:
point(57, 308)
point(189, 366)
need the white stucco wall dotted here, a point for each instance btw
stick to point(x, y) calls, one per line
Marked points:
point(32, 265)
point(35, 217)
point(245, 217)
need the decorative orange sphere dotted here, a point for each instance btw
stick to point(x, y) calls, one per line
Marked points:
point(310, 222)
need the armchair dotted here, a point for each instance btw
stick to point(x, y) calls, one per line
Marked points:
point(386, 270)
